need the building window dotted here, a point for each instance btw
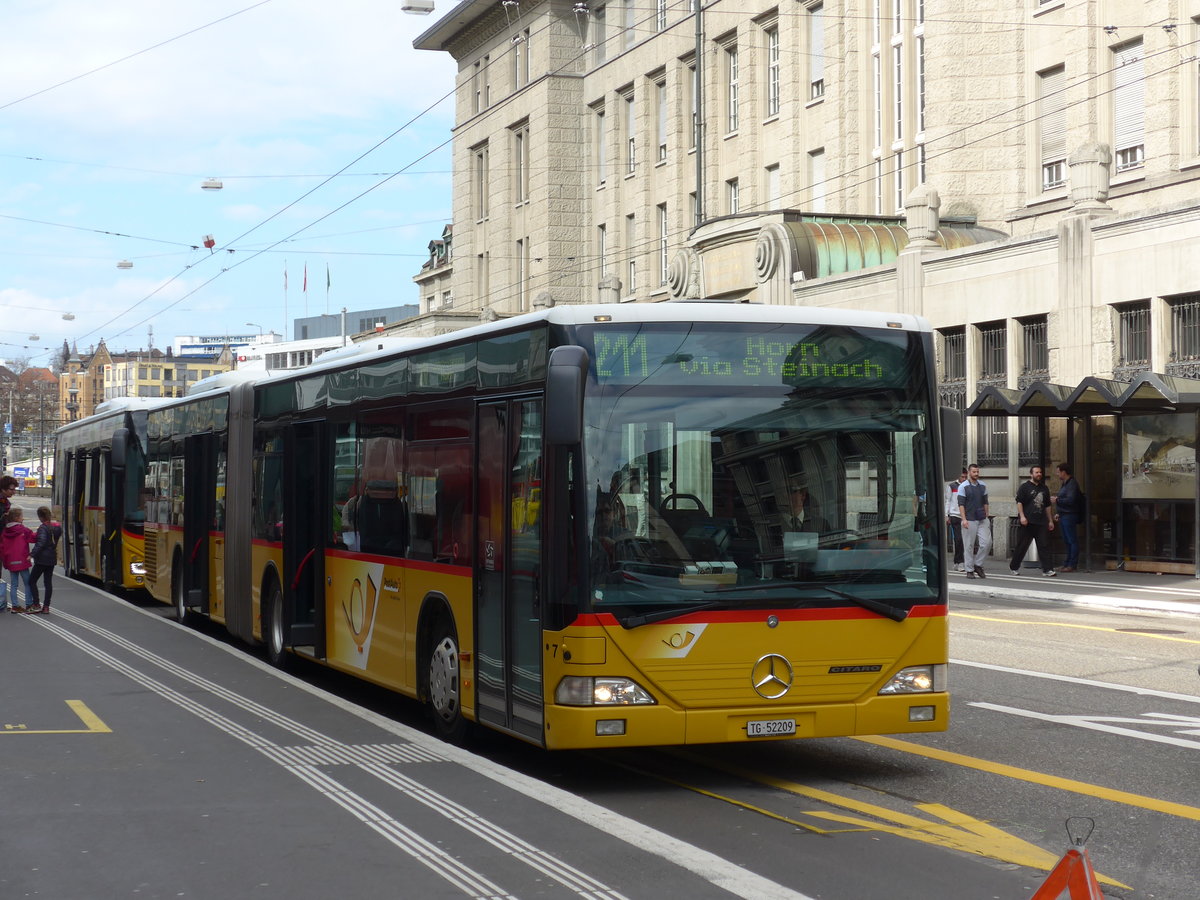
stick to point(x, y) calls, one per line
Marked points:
point(520, 59)
point(1133, 339)
point(660, 15)
point(772, 71)
point(898, 162)
point(774, 190)
point(991, 432)
point(1052, 123)
point(521, 163)
point(731, 88)
point(447, 299)
point(898, 92)
point(598, 35)
point(1184, 358)
point(630, 238)
point(732, 197)
point(630, 135)
point(1035, 351)
point(1129, 110)
point(483, 277)
point(599, 147)
point(481, 85)
point(993, 352)
point(602, 248)
point(816, 179)
point(816, 52)
point(660, 97)
point(693, 117)
point(662, 243)
point(627, 33)
point(921, 84)
point(481, 186)
point(522, 252)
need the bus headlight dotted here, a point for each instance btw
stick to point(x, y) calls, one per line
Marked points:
point(579, 690)
point(916, 680)
point(137, 567)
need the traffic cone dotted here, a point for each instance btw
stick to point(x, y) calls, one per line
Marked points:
point(1072, 873)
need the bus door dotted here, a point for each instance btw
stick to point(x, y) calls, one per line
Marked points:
point(307, 520)
point(508, 566)
point(74, 558)
point(112, 522)
point(199, 488)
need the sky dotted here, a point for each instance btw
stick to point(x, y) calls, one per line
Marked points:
point(113, 115)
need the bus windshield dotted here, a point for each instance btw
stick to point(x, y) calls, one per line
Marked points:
point(779, 466)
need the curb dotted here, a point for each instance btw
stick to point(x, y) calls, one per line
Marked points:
point(1099, 601)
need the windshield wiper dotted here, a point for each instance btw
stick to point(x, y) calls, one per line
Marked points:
point(663, 614)
point(875, 606)
point(884, 609)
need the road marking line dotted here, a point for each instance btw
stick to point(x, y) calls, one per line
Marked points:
point(1024, 623)
point(94, 723)
point(1063, 784)
point(1071, 679)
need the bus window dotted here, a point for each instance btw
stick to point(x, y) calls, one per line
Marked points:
point(344, 489)
point(379, 513)
point(268, 487)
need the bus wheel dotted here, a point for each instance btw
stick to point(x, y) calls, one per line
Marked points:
point(445, 699)
point(273, 628)
point(178, 602)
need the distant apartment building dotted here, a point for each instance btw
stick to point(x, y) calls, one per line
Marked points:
point(156, 374)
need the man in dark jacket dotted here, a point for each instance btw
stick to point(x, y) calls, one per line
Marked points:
point(1068, 510)
point(1035, 524)
point(45, 556)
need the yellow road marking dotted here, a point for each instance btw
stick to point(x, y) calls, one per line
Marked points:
point(1063, 784)
point(955, 830)
point(1023, 622)
point(93, 723)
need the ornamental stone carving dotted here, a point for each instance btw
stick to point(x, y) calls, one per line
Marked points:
point(683, 275)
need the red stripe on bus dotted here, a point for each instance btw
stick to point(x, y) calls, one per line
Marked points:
point(930, 611)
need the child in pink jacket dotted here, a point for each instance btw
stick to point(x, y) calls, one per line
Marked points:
point(14, 553)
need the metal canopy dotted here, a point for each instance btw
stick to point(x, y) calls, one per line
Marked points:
point(1150, 392)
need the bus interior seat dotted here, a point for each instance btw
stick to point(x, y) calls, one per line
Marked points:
point(382, 520)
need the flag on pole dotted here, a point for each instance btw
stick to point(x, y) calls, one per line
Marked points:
point(327, 282)
point(285, 277)
point(306, 278)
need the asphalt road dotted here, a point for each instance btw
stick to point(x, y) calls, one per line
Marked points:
point(147, 760)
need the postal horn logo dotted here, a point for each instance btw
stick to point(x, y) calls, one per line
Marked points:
point(771, 676)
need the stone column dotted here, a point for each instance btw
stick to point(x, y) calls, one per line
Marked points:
point(1090, 167)
point(610, 289)
point(922, 221)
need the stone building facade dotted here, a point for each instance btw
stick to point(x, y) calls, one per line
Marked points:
point(1039, 160)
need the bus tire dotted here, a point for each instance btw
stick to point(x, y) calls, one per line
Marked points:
point(272, 627)
point(444, 689)
point(178, 601)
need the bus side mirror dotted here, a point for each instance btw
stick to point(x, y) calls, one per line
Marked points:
point(120, 441)
point(566, 376)
point(952, 440)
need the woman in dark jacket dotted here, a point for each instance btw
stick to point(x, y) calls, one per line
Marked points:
point(45, 557)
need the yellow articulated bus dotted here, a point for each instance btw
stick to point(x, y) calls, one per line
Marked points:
point(100, 466)
point(592, 526)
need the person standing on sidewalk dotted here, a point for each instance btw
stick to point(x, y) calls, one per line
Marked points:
point(1068, 509)
point(977, 530)
point(1033, 513)
point(954, 519)
point(45, 556)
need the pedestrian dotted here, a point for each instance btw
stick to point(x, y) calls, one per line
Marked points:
point(954, 519)
point(45, 556)
point(1068, 511)
point(14, 552)
point(977, 530)
point(1034, 522)
point(8, 487)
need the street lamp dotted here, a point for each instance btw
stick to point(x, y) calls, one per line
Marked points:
point(256, 325)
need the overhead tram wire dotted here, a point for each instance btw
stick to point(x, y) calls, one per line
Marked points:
point(489, 111)
point(130, 56)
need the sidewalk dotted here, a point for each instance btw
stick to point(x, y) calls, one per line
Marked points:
point(1118, 590)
